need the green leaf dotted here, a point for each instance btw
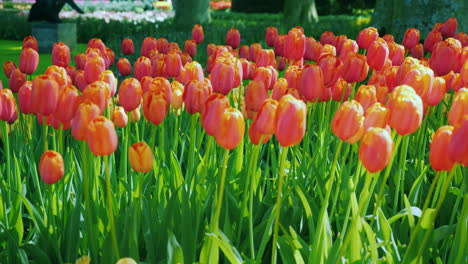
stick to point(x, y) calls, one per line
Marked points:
point(408, 209)
point(174, 250)
point(225, 245)
point(427, 220)
point(371, 238)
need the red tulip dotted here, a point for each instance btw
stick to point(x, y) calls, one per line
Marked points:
point(396, 54)
point(347, 47)
point(417, 51)
point(376, 116)
point(311, 83)
point(406, 110)
point(99, 93)
point(80, 81)
point(231, 128)
point(17, 79)
point(326, 50)
point(348, 122)
point(51, 167)
point(140, 157)
point(271, 33)
point(290, 122)
point(355, 68)
point(439, 88)
point(340, 90)
point(244, 52)
point(463, 38)
point(190, 46)
point(327, 37)
point(24, 98)
point(449, 28)
point(149, 43)
point(197, 33)
point(130, 93)
point(332, 69)
point(109, 78)
point(411, 38)
point(67, 104)
point(438, 157)
point(29, 59)
point(195, 95)
point(266, 58)
point(8, 108)
point(280, 44)
point(263, 125)
point(163, 45)
point(71, 71)
point(431, 40)
point(127, 46)
point(255, 94)
point(142, 68)
point(45, 93)
point(193, 71)
point(294, 44)
point(388, 38)
point(102, 138)
point(163, 86)
point(279, 89)
point(445, 56)
point(459, 108)
point(30, 42)
point(222, 77)
point(366, 95)
point(377, 54)
point(119, 116)
point(173, 64)
point(210, 49)
point(159, 66)
point(60, 54)
point(366, 37)
point(375, 150)
point(212, 112)
point(233, 38)
point(155, 107)
point(254, 50)
point(8, 68)
point(458, 145)
point(93, 68)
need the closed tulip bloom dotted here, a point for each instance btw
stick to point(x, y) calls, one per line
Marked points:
point(233, 38)
point(80, 81)
point(127, 46)
point(266, 58)
point(254, 50)
point(102, 138)
point(459, 108)
point(80, 60)
point(51, 167)
point(292, 75)
point(195, 95)
point(140, 157)
point(366, 37)
point(244, 52)
point(326, 50)
point(271, 33)
point(311, 83)
point(119, 117)
point(255, 94)
point(210, 49)
point(355, 68)
point(376, 116)
point(290, 121)
point(388, 38)
point(24, 98)
point(67, 104)
point(348, 122)
point(177, 94)
point(163, 45)
point(93, 68)
point(310, 48)
point(222, 77)
point(421, 79)
point(438, 154)
point(142, 68)
point(149, 43)
point(375, 150)
point(59, 74)
point(463, 38)
point(294, 44)
point(246, 68)
point(231, 128)
point(348, 46)
point(71, 71)
point(190, 46)
point(213, 110)
point(327, 37)
point(124, 67)
point(264, 121)
point(163, 86)
point(340, 90)
point(449, 28)
point(17, 79)
point(332, 69)
point(99, 93)
point(339, 41)
point(29, 59)
point(279, 89)
point(406, 110)
point(197, 33)
point(8, 108)
point(130, 93)
point(264, 75)
point(390, 77)
point(60, 54)
point(155, 107)
point(109, 78)
point(377, 54)
point(431, 40)
point(445, 56)
point(173, 64)
point(85, 112)
point(366, 95)
point(279, 45)
point(417, 51)
point(8, 68)
point(134, 116)
point(439, 89)
point(458, 145)
point(464, 73)
point(146, 83)
point(45, 92)
point(30, 42)
point(396, 54)
point(411, 38)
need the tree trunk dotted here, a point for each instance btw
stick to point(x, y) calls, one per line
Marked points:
point(191, 12)
point(257, 6)
point(396, 16)
point(300, 12)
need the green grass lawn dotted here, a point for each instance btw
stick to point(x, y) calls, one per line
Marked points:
point(11, 50)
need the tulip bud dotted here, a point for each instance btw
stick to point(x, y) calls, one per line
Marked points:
point(264, 121)
point(438, 157)
point(417, 51)
point(60, 54)
point(449, 28)
point(233, 38)
point(254, 50)
point(366, 95)
point(85, 112)
point(459, 108)
point(311, 83)
point(29, 59)
point(431, 40)
point(355, 68)
point(190, 46)
point(294, 44)
point(255, 94)
point(396, 54)
point(80, 81)
point(439, 88)
point(375, 150)
point(458, 145)
point(142, 68)
point(332, 69)
point(24, 98)
point(30, 42)
point(195, 95)
point(109, 78)
point(45, 92)
point(80, 61)
point(377, 54)
point(99, 93)
point(173, 64)
point(51, 167)
point(279, 45)
point(8, 108)
point(149, 43)
point(17, 79)
point(406, 110)
point(231, 128)
point(340, 90)
point(290, 121)
point(347, 47)
point(411, 38)
point(134, 116)
point(163, 45)
point(124, 66)
point(93, 68)
point(127, 46)
point(197, 33)
point(155, 107)
point(130, 93)
point(213, 110)
point(140, 157)
point(8, 68)
point(271, 33)
point(244, 52)
point(266, 58)
point(445, 56)
point(348, 122)
point(119, 117)
point(376, 116)
point(102, 138)
point(67, 104)
point(366, 37)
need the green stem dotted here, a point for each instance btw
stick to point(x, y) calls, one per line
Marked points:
point(251, 198)
point(191, 154)
point(137, 132)
point(335, 195)
point(278, 204)
point(6, 146)
point(60, 139)
point(44, 134)
point(401, 173)
point(110, 209)
point(87, 194)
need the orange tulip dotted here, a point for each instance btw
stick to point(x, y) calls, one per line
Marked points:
point(80, 60)
point(102, 138)
point(210, 49)
point(233, 38)
point(140, 157)
point(29, 59)
point(438, 157)
point(449, 28)
point(71, 72)
point(99, 93)
point(244, 52)
point(255, 94)
point(340, 90)
point(264, 121)
point(311, 83)
point(366, 95)
point(85, 112)
point(197, 33)
point(464, 73)
point(463, 38)
point(130, 93)
point(406, 110)
point(80, 81)
point(348, 46)
point(195, 95)
point(24, 98)
point(376, 116)
point(332, 69)
point(111, 55)
point(30, 42)
point(279, 89)
point(124, 66)
point(146, 83)
point(190, 46)
point(163, 45)
point(231, 128)
point(459, 108)
point(163, 86)
point(339, 41)
point(326, 50)
point(439, 88)
point(127, 46)
point(213, 110)
point(458, 145)
point(271, 33)
point(222, 77)
point(8, 68)
point(396, 53)
point(377, 54)
point(327, 37)
point(294, 44)
point(431, 40)
point(93, 68)
point(109, 78)
point(17, 79)
point(375, 150)
point(149, 43)
point(51, 167)
point(417, 51)
point(173, 64)
point(279, 45)
point(59, 74)
point(67, 104)
point(60, 54)
point(142, 68)
point(290, 122)
point(266, 58)
point(254, 50)
point(119, 117)
point(8, 108)
point(155, 107)
point(411, 38)
point(366, 37)
point(355, 68)
point(421, 79)
point(45, 92)
point(445, 56)
point(246, 68)
point(135, 115)
point(348, 122)
point(177, 94)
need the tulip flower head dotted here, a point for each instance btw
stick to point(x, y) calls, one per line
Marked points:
point(102, 138)
point(140, 157)
point(29, 59)
point(290, 121)
point(51, 167)
point(375, 150)
point(231, 128)
point(438, 154)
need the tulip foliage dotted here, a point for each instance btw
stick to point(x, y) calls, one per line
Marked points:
point(336, 149)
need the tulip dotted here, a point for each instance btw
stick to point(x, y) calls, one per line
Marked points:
point(102, 138)
point(17, 79)
point(463, 38)
point(263, 125)
point(45, 93)
point(355, 68)
point(80, 81)
point(292, 75)
point(212, 112)
point(279, 89)
point(8, 108)
point(140, 157)
point(24, 98)
point(396, 54)
point(294, 44)
point(85, 112)
point(439, 88)
point(244, 52)
point(30, 42)
point(464, 73)
point(71, 72)
point(417, 51)
point(431, 40)
point(233, 38)
point(264, 75)
point(255, 94)
point(119, 117)
point(177, 94)
point(67, 104)
point(411, 38)
point(158, 65)
point(279, 45)
point(197, 33)
point(311, 83)
point(438, 157)
point(51, 167)
point(142, 68)
point(60, 54)
point(8, 68)
point(99, 93)
point(375, 150)
point(348, 122)
point(109, 78)
point(271, 33)
point(421, 79)
point(347, 47)
point(445, 56)
point(340, 90)
point(195, 95)
point(406, 110)
point(80, 60)
point(449, 28)
point(246, 68)
point(163, 45)
point(328, 37)
point(458, 145)
point(459, 108)
point(59, 74)
point(135, 115)
point(149, 43)
point(331, 67)
point(111, 55)
point(366, 95)
point(326, 50)
point(190, 46)
point(173, 64)
point(376, 116)
point(130, 93)
point(366, 37)
point(222, 77)
point(29, 59)
point(146, 83)
point(377, 54)
point(254, 50)
point(93, 68)
point(231, 128)
point(210, 49)
point(266, 58)
point(290, 122)
point(388, 38)
point(127, 46)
